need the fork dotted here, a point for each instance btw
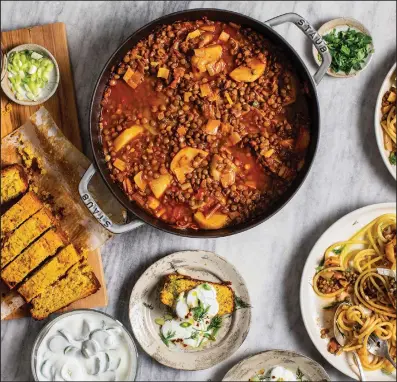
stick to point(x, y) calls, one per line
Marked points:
point(379, 347)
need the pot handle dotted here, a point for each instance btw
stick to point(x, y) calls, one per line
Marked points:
point(96, 211)
point(310, 32)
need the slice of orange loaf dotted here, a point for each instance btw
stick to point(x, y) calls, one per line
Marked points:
point(25, 234)
point(47, 245)
point(14, 182)
point(175, 284)
point(28, 205)
point(49, 273)
point(79, 282)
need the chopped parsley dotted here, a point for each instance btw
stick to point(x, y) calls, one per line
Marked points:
point(299, 374)
point(392, 158)
point(338, 250)
point(240, 304)
point(215, 324)
point(348, 49)
point(166, 339)
point(200, 312)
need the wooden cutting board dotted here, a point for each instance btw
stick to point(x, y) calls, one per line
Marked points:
point(62, 107)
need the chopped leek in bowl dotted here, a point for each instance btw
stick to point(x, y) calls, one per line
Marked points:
point(32, 75)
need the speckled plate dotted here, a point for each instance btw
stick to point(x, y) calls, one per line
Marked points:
point(145, 307)
point(314, 316)
point(267, 360)
point(387, 83)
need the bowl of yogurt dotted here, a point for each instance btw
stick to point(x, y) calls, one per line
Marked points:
point(84, 345)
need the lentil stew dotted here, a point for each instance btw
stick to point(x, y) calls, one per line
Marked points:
point(205, 124)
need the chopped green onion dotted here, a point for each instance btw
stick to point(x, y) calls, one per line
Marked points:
point(28, 73)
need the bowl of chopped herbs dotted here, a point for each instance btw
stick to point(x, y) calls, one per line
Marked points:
point(350, 44)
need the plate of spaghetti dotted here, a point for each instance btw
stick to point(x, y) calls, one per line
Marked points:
point(354, 262)
point(385, 120)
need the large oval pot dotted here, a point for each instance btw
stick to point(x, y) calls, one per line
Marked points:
point(140, 216)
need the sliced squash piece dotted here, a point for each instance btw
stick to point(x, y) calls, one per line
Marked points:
point(163, 73)
point(208, 28)
point(250, 73)
point(153, 203)
point(182, 163)
point(126, 136)
point(207, 55)
point(205, 90)
point(119, 164)
point(139, 181)
point(193, 34)
point(224, 36)
point(212, 126)
point(216, 221)
point(133, 78)
point(159, 185)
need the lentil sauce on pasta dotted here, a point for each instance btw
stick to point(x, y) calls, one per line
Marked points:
point(204, 124)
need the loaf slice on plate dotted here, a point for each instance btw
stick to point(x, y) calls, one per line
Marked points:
point(174, 284)
point(14, 182)
point(79, 282)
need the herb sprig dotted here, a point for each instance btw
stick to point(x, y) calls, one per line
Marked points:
point(348, 49)
point(166, 339)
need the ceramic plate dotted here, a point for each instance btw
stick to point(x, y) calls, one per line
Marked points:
point(145, 307)
point(389, 80)
point(47, 91)
point(315, 317)
point(343, 23)
point(267, 360)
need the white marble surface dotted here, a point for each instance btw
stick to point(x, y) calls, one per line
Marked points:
point(347, 174)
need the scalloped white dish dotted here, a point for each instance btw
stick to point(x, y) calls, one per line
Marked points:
point(388, 81)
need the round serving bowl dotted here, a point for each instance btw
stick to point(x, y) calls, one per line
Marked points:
point(343, 23)
point(42, 334)
point(48, 90)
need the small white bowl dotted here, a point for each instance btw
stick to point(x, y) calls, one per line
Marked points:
point(48, 90)
point(343, 23)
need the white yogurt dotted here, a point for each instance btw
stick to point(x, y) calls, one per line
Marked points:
point(185, 329)
point(86, 346)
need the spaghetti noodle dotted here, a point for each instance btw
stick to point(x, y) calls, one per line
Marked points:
point(361, 270)
point(388, 123)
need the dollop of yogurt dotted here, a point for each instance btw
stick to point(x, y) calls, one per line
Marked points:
point(85, 346)
point(193, 325)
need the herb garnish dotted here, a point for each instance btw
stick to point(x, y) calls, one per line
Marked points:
point(392, 158)
point(240, 304)
point(166, 339)
point(149, 306)
point(215, 324)
point(348, 49)
point(299, 374)
point(338, 250)
point(387, 372)
point(200, 312)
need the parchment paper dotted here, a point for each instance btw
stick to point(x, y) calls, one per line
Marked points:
point(55, 167)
